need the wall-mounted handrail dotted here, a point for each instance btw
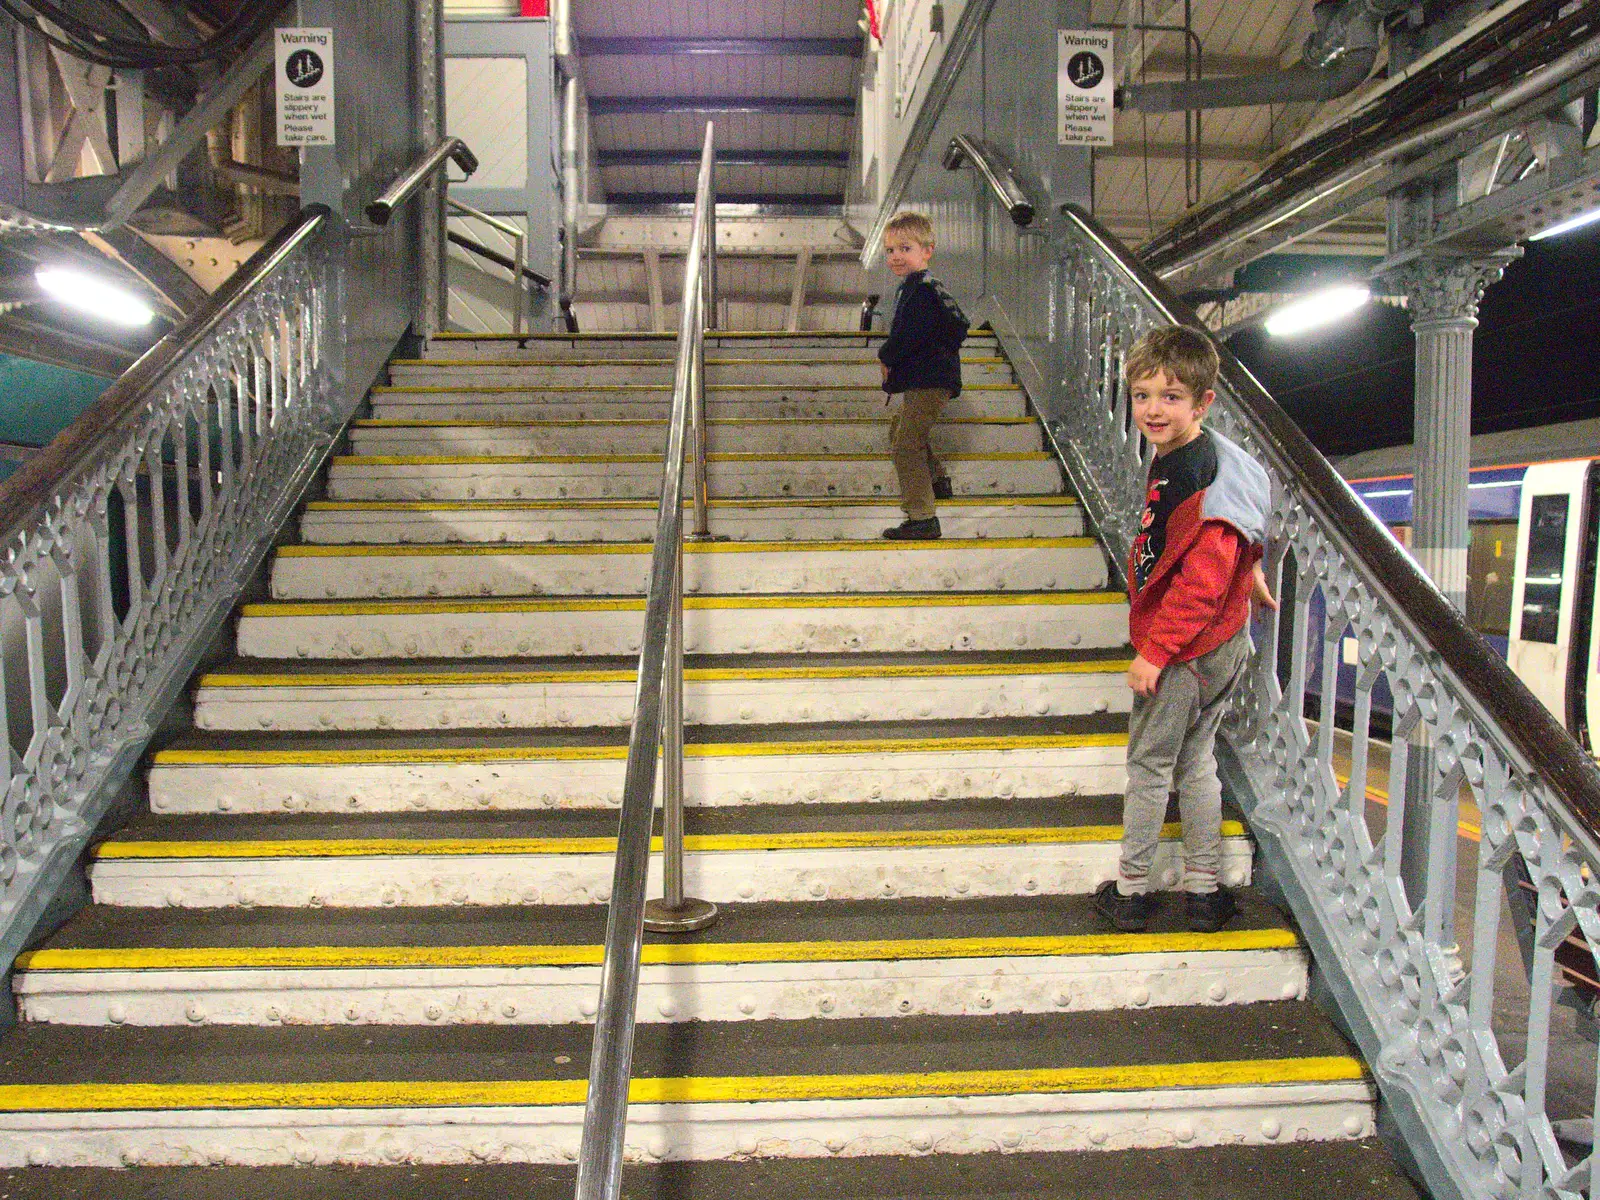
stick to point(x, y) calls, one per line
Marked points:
point(995, 171)
point(657, 721)
point(410, 181)
point(479, 250)
point(517, 266)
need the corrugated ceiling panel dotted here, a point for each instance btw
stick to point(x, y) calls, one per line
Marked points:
point(723, 75)
point(731, 180)
point(703, 18)
point(735, 131)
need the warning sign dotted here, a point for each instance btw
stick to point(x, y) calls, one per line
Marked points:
point(1084, 87)
point(305, 87)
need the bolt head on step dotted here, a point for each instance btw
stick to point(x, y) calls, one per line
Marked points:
point(691, 915)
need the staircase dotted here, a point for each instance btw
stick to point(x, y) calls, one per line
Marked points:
point(360, 921)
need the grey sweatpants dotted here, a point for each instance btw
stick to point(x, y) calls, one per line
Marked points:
point(1172, 739)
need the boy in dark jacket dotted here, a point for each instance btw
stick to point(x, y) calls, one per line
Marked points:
point(1192, 571)
point(922, 364)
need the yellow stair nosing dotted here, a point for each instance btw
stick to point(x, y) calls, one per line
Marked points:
point(326, 608)
point(562, 389)
point(743, 502)
point(462, 460)
point(603, 549)
point(519, 364)
point(733, 843)
point(500, 1093)
point(1103, 666)
point(418, 755)
point(713, 953)
point(658, 422)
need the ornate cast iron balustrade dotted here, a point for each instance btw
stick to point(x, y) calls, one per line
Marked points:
point(129, 539)
point(1468, 1090)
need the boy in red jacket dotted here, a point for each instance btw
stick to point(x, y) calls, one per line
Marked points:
point(1191, 573)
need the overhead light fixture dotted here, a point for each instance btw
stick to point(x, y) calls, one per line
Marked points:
point(1567, 226)
point(1319, 308)
point(86, 293)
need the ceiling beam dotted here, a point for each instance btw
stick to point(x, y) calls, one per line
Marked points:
point(1172, 152)
point(843, 106)
point(725, 158)
point(30, 339)
point(1169, 62)
point(744, 46)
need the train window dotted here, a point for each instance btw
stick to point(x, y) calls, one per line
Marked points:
point(1489, 576)
point(1547, 556)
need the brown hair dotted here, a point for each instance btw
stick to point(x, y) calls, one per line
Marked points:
point(1185, 354)
point(914, 224)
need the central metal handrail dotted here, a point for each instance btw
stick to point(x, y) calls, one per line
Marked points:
point(657, 721)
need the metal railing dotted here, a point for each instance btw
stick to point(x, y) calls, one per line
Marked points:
point(128, 539)
point(1467, 1087)
point(996, 171)
point(412, 180)
point(519, 264)
point(657, 722)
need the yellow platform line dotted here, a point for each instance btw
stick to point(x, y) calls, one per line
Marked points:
point(660, 423)
point(601, 549)
point(564, 388)
point(491, 460)
point(720, 843)
point(289, 958)
point(409, 1094)
point(604, 505)
point(1465, 828)
point(502, 754)
point(517, 364)
point(1104, 666)
point(338, 608)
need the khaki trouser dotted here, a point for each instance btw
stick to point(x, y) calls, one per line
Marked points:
point(914, 463)
point(1172, 739)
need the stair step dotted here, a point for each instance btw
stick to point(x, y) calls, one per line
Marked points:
point(742, 435)
point(583, 767)
point(593, 476)
point(793, 347)
point(1291, 1171)
point(623, 568)
point(572, 402)
point(720, 368)
point(372, 1094)
point(348, 696)
point(712, 625)
point(332, 522)
point(830, 959)
point(1050, 846)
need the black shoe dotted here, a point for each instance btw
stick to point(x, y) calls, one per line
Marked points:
point(1207, 912)
point(943, 489)
point(1130, 914)
point(925, 530)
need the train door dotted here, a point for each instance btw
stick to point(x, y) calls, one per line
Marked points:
point(1544, 599)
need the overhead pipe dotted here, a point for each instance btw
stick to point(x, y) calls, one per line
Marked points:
point(1337, 58)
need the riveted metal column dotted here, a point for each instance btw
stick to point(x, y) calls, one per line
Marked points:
point(1443, 296)
point(434, 290)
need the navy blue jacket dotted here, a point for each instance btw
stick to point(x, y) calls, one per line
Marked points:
point(923, 349)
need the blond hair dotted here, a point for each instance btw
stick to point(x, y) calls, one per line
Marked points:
point(1184, 354)
point(914, 225)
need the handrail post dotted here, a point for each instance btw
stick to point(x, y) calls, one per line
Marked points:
point(711, 320)
point(521, 241)
point(697, 422)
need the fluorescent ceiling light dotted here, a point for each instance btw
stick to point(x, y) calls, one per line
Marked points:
point(94, 296)
point(1567, 226)
point(1319, 308)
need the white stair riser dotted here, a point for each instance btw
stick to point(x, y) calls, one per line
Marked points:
point(450, 373)
point(709, 781)
point(792, 349)
point(1113, 1120)
point(719, 631)
point(842, 523)
point(745, 403)
point(706, 702)
point(583, 572)
point(947, 873)
point(700, 992)
point(799, 437)
point(642, 480)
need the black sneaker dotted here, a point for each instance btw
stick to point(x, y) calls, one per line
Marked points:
point(943, 489)
point(1207, 912)
point(925, 530)
point(1130, 914)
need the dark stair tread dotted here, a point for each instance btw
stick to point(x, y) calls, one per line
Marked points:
point(1295, 1171)
point(993, 812)
point(45, 1054)
point(830, 731)
point(114, 928)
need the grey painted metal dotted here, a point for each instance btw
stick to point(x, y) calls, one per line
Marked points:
point(1473, 1125)
point(410, 181)
point(1300, 84)
point(12, 146)
point(995, 171)
point(769, 204)
point(520, 257)
point(433, 288)
point(727, 158)
point(129, 538)
point(605, 1115)
point(571, 190)
point(781, 106)
point(779, 47)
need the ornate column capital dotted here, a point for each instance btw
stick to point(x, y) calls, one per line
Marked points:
point(1444, 292)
